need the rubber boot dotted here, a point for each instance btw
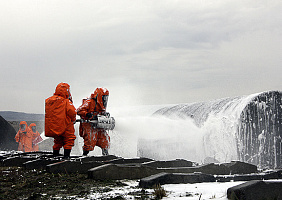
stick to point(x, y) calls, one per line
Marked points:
point(56, 152)
point(67, 153)
point(85, 153)
point(105, 152)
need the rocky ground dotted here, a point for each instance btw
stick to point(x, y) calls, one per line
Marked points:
point(18, 183)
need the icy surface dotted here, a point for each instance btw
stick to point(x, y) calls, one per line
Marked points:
point(199, 190)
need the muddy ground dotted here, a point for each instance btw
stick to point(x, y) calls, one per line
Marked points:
point(18, 183)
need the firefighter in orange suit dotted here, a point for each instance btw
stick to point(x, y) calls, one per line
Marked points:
point(60, 116)
point(91, 107)
point(36, 138)
point(24, 138)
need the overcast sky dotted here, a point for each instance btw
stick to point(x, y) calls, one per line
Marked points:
point(145, 52)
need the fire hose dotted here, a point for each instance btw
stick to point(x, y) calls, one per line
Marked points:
point(103, 122)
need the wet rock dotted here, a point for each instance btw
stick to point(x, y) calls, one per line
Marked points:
point(98, 158)
point(270, 174)
point(256, 190)
point(237, 167)
point(16, 161)
point(207, 169)
point(119, 172)
point(69, 166)
point(38, 163)
point(130, 160)
point(169, 163)
point(137, 171)
point(7, 136)
point(175, 178)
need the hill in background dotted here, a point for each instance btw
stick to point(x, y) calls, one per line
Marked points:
point(21, 116)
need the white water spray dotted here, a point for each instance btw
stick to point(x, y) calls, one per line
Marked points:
point(163, 138)
point(139, 133)
point(129, 134)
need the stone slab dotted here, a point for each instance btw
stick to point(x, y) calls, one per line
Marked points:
point(119, 172)
point(16, 161)
point(273, 174)
point(97, 158)
point(39, 163)
point(68, 166)
point(206, 169)
point(256, 190)
point(270, 174)
point(175, 178)
point(151, 181)
point(238, 167)
point(130, 160)
point(33, 153)
point(169, 164)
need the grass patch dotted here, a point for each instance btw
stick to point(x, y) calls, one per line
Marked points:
point(159, 192)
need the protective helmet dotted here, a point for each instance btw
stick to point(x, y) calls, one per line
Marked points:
point(101, 95)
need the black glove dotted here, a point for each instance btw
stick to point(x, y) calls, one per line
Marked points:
point(89, 115)
point(105, 114)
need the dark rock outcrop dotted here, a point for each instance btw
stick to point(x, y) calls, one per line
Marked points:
point(7, 136)
point(175, 178)
point(256, 190)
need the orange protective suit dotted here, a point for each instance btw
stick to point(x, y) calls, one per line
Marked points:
point(24, 138)
point(36, 138)
point(60, 115)
point(96, 105)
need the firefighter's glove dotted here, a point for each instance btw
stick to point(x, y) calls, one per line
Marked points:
point(105, 114)
point(89, 115)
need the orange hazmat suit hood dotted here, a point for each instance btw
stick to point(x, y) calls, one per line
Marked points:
point(63, 90)
point(31, 127)
point(23, 126)
point(101, 95)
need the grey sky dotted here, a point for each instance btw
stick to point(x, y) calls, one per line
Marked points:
point(144, 52)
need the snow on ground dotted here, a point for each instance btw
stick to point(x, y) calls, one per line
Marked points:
point(174, 191)
point(199, 190)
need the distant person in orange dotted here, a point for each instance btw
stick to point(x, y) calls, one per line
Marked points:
point(36, 138)
point(90, 108)
point(24, 138)
point(60, 115)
